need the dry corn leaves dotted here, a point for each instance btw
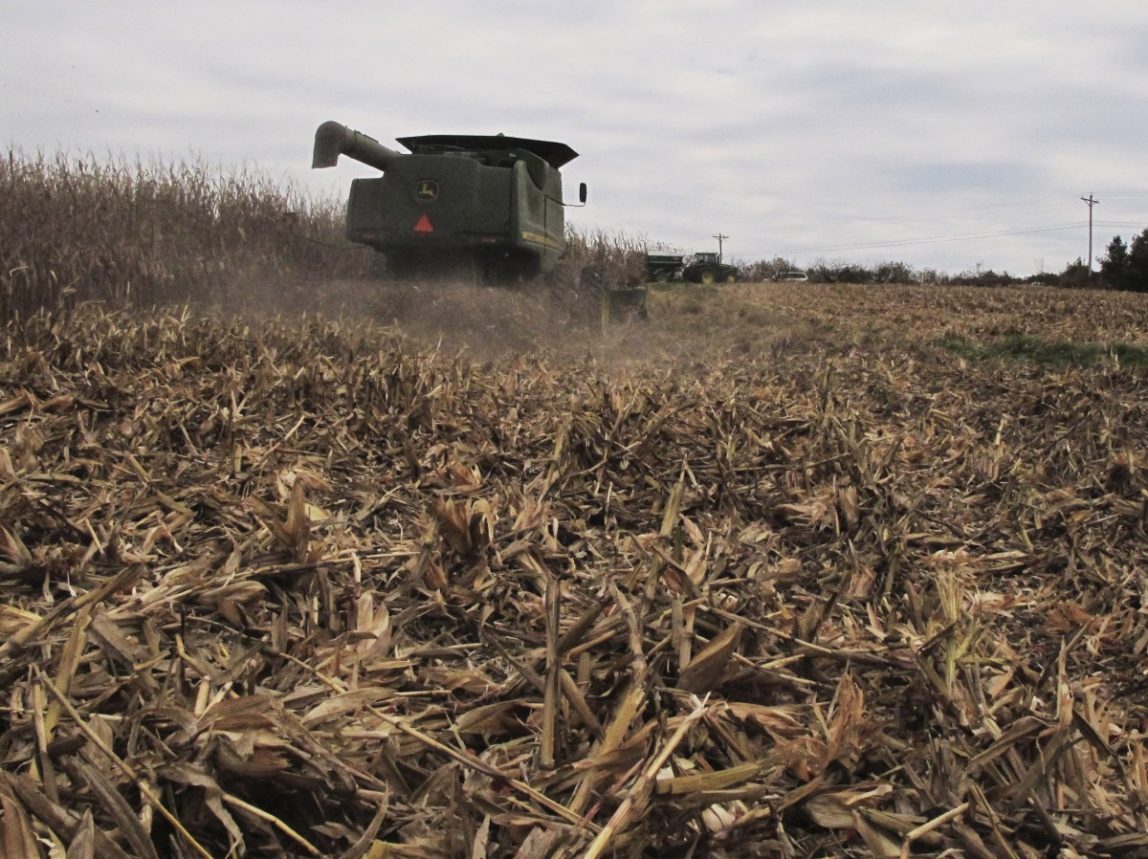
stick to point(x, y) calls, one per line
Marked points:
point(306, 590)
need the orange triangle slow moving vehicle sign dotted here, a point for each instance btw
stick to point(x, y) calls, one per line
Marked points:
point(423, 225)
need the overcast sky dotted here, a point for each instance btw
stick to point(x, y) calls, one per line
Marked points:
point(946, 134)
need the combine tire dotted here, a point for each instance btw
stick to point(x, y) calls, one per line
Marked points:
point(593, 283)
point(576, 294)
point(587, 298)
point(563, 287)
point(708, 277)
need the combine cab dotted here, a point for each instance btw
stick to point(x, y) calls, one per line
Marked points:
point(478, 208)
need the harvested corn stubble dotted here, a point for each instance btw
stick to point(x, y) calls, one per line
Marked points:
point(308, 588)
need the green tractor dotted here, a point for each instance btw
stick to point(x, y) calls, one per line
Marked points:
point(707, 268)
point(484, 209)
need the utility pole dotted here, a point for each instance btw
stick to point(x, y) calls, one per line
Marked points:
point(721, 237)
point(1091, 202)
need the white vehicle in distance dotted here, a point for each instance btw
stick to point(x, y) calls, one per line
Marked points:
point(792, 275)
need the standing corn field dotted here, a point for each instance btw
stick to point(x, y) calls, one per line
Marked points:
point(81, 229)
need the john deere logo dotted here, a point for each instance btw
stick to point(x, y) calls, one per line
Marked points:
point(427, 189)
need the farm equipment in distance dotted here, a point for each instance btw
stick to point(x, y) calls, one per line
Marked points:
point(708, 268)
point(705, 267)
point(485, 209)
point(662, 268)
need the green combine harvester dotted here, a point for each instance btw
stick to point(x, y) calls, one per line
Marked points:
point(483, 209)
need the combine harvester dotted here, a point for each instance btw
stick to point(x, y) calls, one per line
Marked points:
point(480, 209)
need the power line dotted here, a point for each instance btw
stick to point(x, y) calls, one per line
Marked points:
point(1126, 195)
point(1035, 204)
point(1030, 205)
point(896, 243)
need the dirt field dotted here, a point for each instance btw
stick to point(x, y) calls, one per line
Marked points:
point(791, 571)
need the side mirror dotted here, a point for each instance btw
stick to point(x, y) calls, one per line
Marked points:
point(582, 192)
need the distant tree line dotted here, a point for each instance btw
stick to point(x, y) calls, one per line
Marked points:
point(836, 271)
point(1125, 267)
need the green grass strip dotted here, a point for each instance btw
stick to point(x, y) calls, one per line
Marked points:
point(1057, 353)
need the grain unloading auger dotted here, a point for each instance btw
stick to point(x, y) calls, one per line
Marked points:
point(480, 208)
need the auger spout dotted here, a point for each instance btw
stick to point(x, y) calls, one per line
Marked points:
point(333, 139)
